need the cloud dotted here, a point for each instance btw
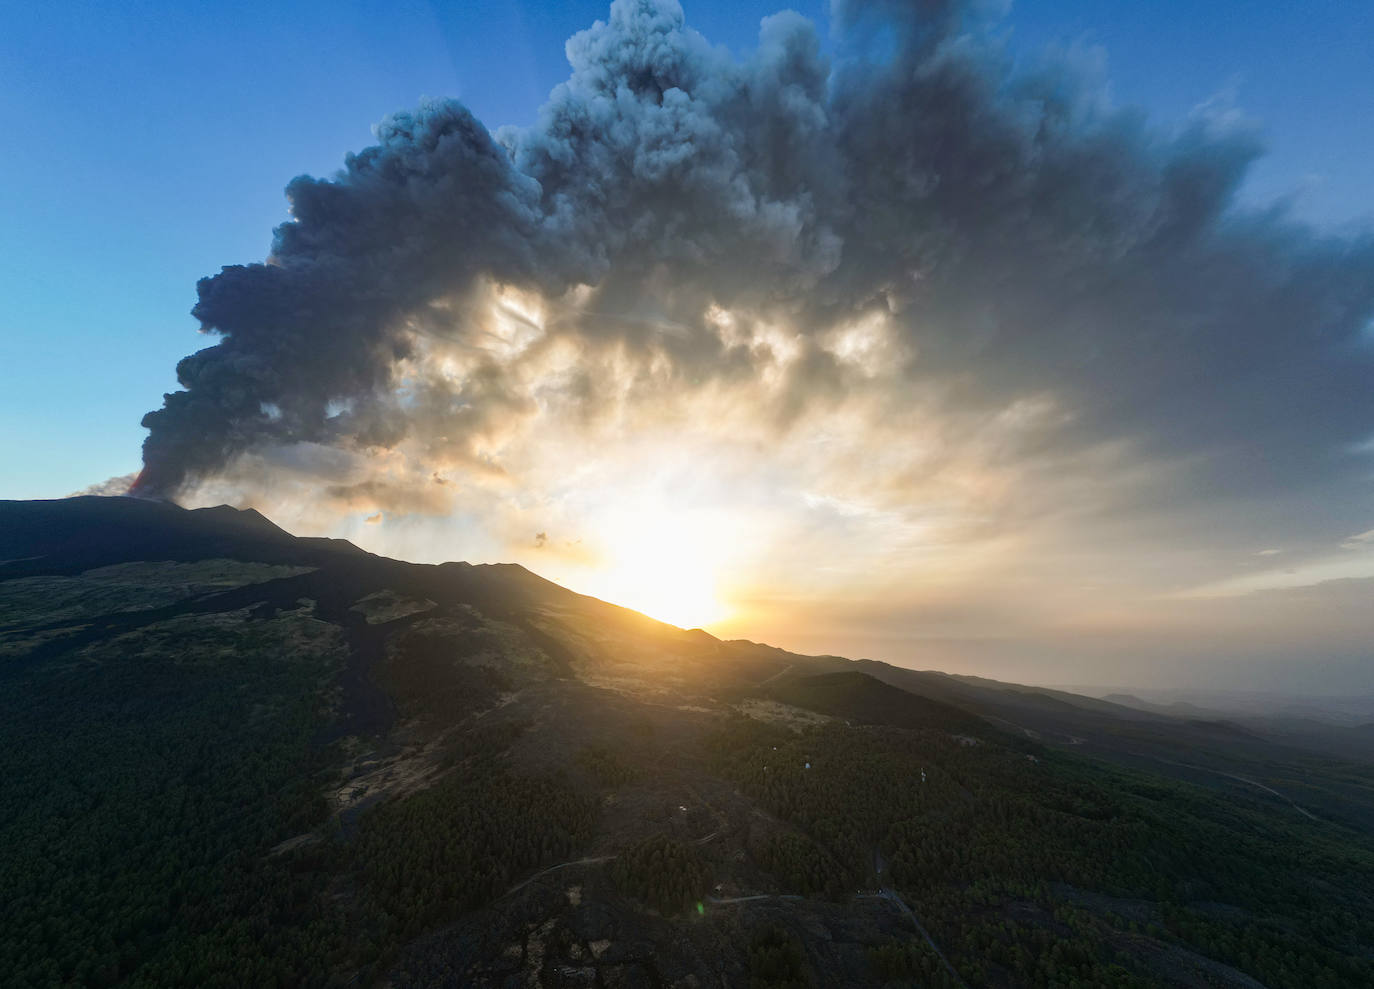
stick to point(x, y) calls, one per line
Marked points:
point(1018, 235)
point(1362, 541)
point(970, 309)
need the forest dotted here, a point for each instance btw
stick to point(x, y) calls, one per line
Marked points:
point(148, 785)
point(240, 774)
point(1001, 853)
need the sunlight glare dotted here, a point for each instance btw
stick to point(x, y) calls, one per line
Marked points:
point(663, 563)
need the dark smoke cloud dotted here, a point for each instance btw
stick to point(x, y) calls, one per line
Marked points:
point(1026, 237)
point(432, 206)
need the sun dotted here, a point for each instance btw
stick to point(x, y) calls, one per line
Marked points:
point(662, 562)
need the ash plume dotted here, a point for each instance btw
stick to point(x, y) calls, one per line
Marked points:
point(1020, 235)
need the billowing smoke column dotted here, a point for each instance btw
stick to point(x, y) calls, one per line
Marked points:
point(1024, 236)
point(433, 205)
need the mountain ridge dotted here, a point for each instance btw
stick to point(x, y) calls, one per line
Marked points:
point(458, 774)
point(30, 530)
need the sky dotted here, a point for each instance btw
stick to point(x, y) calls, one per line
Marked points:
point(1029, 342)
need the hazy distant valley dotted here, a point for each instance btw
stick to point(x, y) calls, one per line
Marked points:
point(235, 757)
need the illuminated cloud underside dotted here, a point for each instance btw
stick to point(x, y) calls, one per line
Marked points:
point(902, 353)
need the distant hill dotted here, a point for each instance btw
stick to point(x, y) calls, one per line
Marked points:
point(863, 699)
point(232, 756)
point(1295, 730)
point(1176, 709)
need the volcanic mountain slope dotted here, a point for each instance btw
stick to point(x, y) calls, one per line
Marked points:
point(235, 757)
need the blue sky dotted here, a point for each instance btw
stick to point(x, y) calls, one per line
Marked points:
point(148, 144)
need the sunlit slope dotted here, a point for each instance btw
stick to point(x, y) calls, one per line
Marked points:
point(526, 620)
point(595, 640)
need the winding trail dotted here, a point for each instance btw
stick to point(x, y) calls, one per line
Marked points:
point(884, 893)
point(891, 896)
point(1241, 779)
point(1301, 810)
point(595, 860)
point(591, 860)
point(780, 673)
